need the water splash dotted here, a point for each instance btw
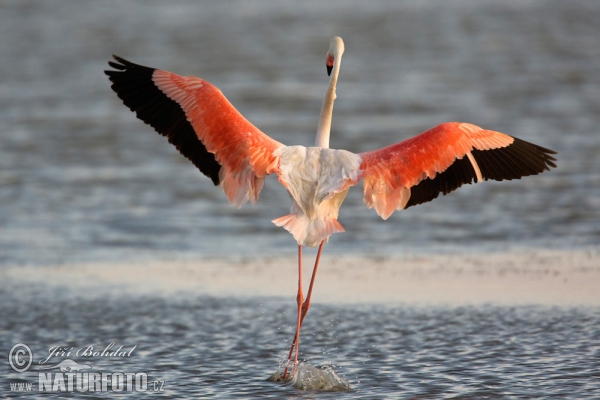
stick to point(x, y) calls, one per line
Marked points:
point(309, 377)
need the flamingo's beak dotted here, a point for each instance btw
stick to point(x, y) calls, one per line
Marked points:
point(329, 63)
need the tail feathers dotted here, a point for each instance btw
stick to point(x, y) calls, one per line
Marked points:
point(307, 232)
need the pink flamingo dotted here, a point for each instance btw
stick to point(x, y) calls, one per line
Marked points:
point(206, 128)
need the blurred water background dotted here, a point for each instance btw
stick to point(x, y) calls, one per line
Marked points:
point(82, 180)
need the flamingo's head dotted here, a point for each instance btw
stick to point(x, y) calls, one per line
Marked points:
point(334, 54)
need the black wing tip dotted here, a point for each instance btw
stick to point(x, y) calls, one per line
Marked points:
point(123, 65)
point(515, 161)
point(535, 154)
point(120, 66)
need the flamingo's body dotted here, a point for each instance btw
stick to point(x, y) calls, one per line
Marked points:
point(318, 180)
point(208, 130)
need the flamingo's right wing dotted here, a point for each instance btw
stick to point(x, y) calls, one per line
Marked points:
point(441, 160)
point(203, 125)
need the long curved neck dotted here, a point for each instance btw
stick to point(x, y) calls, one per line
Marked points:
point(323, 131)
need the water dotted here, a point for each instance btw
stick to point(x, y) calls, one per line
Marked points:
point(224, 348)
point(82, 180)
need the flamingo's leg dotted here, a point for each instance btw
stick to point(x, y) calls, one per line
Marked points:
point(300, 300)
point(306, 304)
point(302, 310)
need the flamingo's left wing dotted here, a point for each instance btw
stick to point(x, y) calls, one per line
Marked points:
point(204, 126)
point(441, 160)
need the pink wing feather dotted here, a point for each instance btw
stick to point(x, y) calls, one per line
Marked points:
point(243, 151)
point(442, 159)
point(202, 124)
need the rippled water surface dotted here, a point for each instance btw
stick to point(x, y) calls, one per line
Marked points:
point(82, 180)
point(204, 346)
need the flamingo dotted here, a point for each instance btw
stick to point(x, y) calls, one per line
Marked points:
point(206, 128)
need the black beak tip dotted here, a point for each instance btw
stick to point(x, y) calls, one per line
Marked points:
point(329, 68)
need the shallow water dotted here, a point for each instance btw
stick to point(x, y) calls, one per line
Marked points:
point(224, 347)
point(82, 180)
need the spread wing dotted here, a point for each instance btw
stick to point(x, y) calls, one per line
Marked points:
point(201, 123)
point(441, 160)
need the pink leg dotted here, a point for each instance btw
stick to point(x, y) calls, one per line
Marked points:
point(306, 304)
point(299, 299)
point(302, 307)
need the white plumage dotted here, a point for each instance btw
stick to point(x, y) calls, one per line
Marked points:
point(317, 180)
